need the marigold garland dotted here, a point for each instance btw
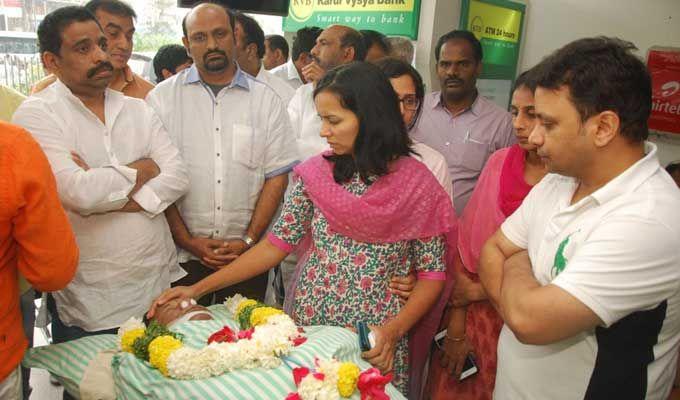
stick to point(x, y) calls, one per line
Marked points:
point(243, 304)
point(348, 375)
point(260, 315)
point(128, 339)
point(160, 349)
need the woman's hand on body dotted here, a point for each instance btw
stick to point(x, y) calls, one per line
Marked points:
point(466, 291)
point(453, 355)
point(178, 292)
point(382, 355)
point(403, 286)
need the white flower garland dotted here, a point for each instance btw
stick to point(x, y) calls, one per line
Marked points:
point(269, 341)
point(264, 349)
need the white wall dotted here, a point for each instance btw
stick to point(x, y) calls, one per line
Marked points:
point(436, 18)
point(552, 23)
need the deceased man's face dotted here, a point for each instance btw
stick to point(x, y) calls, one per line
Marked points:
point(169, 312)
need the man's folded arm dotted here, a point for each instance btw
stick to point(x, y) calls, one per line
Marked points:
point(173, 180)
point(96, 190)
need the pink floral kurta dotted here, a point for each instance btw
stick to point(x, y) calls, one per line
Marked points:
point(345, 281)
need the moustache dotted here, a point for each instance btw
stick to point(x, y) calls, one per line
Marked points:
point(220, 52)
point(104, 66)
point(454, 80)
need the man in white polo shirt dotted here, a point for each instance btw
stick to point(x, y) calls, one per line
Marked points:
point(586, 273)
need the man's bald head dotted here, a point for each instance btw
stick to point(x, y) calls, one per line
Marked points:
point(337, 45)
point(209, 40)
point(206, 7)
point(350, 37)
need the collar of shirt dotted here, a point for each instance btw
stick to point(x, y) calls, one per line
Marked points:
point(261, 72)
point(113, 102)
point(240, 78)
point(127, 76)
point(292, 71)
point(625, 182)
point(631, 178)
point(475, 108)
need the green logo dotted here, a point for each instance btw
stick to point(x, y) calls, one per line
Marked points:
point(560, 262)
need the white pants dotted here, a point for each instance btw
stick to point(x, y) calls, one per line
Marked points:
point(10, 387)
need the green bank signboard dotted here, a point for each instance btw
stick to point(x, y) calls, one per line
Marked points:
point(498, 26)
point(391, 17)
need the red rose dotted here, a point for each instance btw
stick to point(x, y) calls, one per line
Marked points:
point(299, 373)
point(372, 383)
point(247, 334)
point(224, 335)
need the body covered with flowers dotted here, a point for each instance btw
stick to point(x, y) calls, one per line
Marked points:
point(266, 335)
point(152, 364)
point(342, 281)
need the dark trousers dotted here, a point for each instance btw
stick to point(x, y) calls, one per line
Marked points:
point(28, 314)
point(253, 288)
point(63, 333)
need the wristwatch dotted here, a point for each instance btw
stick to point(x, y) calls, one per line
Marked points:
point(248, 240)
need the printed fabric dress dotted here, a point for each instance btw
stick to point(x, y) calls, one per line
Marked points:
point(345, 281)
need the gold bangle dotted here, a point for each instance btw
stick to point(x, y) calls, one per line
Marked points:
point(454, 339)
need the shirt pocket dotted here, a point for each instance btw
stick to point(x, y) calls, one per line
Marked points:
point(247, 146)
point(474, 155)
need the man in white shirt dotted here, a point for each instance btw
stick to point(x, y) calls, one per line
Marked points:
point(275, 51)
point(586, 273)
point(234, 133)
point(249, 51)
point(116, 171)
point(337, 45)
point(304, 41)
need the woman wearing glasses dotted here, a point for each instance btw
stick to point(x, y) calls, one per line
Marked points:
point(409, 87)
point(361, 213)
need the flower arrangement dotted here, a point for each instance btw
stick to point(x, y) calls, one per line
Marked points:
point(333, 379)
point(267, 334)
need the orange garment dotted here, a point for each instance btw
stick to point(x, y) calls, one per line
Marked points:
point(129, 83)
point(35, 236)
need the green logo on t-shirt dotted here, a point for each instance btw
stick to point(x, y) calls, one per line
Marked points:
point(560, 261)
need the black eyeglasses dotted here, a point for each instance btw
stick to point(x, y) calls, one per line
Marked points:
point(410, 102)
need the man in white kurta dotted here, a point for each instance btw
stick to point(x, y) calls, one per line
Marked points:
point(116, 171)
point(300, 56)
point(250, 47)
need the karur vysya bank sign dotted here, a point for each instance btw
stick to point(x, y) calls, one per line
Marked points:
point(391, 17)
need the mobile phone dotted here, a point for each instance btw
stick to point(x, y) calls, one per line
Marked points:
point(366, 337)
point(439, 338)
point(469, 367)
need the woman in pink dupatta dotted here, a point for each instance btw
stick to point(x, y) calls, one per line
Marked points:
point(473, 324)
point(363, 213)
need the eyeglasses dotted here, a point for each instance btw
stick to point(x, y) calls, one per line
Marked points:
point(410, 102)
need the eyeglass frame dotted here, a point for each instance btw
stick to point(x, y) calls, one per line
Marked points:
point(410, 96)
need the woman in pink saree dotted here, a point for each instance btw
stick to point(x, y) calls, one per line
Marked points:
point(473, 324)
point(363, 212)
